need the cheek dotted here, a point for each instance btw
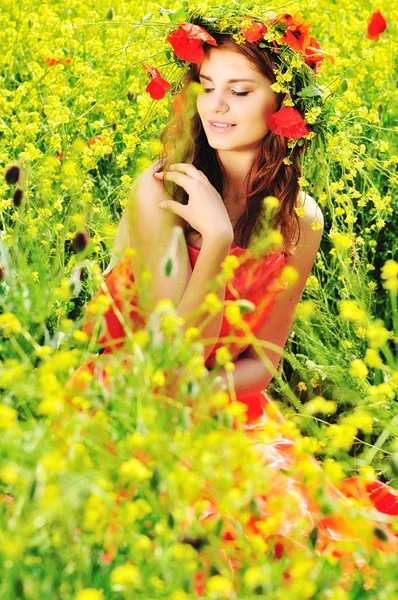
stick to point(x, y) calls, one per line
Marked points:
point(200, 102)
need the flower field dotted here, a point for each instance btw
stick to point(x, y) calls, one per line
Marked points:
point(107, 493)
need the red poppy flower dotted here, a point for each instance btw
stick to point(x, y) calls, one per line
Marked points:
point(253, 32)
point(297, 32)
point(288, 122)
point(54, 61)
point(286, 18)
point(313, 58)
point(187, 42)
point(51, 61)
point(377, 24)
point(157, 87)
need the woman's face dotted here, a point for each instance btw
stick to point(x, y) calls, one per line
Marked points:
point(244, 105)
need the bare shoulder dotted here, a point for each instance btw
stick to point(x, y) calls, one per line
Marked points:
point(311, 224)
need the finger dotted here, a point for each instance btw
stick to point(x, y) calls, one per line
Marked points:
point(173, 206)
point(181, 179)
point(186, 168)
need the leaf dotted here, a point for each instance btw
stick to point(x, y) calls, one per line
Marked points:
point(177, 15)
point(110, 13)
point(170, 521)
point(148, 16)
point(155, 479)
point(310, 91)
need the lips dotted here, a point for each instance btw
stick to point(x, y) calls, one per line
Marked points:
point(220, 130)
point(221, 123)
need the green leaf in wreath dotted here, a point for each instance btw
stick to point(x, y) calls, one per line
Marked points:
point(310, 91)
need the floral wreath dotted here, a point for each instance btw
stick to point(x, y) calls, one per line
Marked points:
point(298, 56)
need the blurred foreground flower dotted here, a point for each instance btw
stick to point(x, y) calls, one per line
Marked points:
point(377, 24)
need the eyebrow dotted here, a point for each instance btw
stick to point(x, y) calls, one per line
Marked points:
point(229, 80)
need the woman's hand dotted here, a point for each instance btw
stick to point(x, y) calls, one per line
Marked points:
point(205, 210)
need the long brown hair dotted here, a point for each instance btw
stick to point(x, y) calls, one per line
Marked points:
point(268, 175)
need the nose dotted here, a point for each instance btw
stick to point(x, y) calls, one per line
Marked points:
point(218, 102)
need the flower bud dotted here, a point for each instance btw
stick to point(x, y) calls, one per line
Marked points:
point(13, 174)
point(80, 241)
point(17, 198)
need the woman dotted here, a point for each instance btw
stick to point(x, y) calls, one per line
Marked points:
point(211, 220)
point(231, 162)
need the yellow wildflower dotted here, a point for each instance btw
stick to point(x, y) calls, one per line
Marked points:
point(126, 577)
point(229, 265)
point(8, 417)
point(10, 324)
point(377, 334)
point(212, 303)
point(233, 314)
point(373, 359)
point(89, 594)
point(223, 356)
point(312, 283)
point(342, 241)
point(191, 334)
point(290, 275)
point(320, 405)
point(358, 369)
point(79, 336)
point(217, 585)
point(351, 311)
point(133, 469)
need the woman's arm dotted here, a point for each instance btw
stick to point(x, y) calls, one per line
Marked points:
point(149, 229)
point(251, 376)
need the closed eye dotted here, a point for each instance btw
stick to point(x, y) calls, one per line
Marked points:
point(235, 93)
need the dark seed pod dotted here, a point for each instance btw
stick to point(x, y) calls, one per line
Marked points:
point(130, 95)
point(13, 174)
point(17, 198)
point(381, 534)
point(114, 126)
point(196, 543)
point(80, 241)
point(313, 536)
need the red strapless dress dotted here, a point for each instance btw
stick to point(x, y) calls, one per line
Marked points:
point(258, 282)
